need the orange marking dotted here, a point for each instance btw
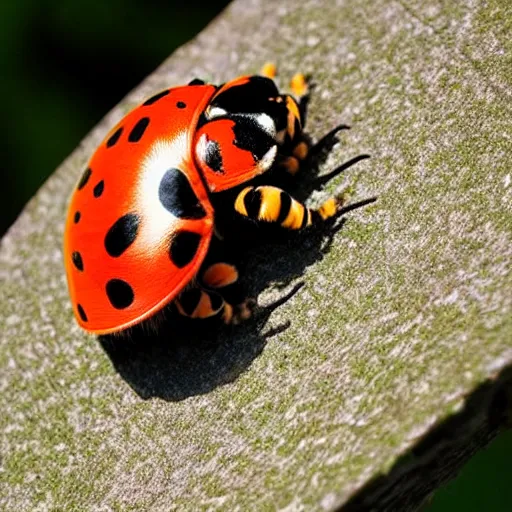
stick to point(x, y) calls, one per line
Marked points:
point(295, 216)
point(269, 70)
point(239, 203)
point(228, 313)
point(219, 275)
point(293, 114)
point(301, 150)
point(328, 209)
point(270, 203)
point(291, 164)
point(241, 80)
point(299, 85)
point(204, 308)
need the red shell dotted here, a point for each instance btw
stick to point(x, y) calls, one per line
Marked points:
point(140, 222)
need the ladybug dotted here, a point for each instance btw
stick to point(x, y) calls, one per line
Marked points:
point(142, 216)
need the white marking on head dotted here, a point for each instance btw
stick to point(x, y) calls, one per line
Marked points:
point(267, 160)
point(266, 123)
point(212, 112)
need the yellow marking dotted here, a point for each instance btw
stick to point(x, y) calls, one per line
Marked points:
point(301, 150)
point(310, 220)
point(292, 107)
point(293, 114)
point(228, 313)
point(270, 203)
point(219, 275)
point(295, 216)
point(299, 85)
point(291, 164)
point(239, 203)
point(328, 209)
point(269, 70)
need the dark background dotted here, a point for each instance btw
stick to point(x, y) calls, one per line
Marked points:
point(65, 64)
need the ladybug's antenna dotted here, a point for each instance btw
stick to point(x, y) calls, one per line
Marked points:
point(327, 140)
point(353, 206)
point(322, 180)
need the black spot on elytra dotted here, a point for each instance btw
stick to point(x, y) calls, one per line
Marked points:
point(155, 98)
point(77, 217)
point(181, 104)
point(114, 137)
point(84, 179)
point(252, 203)
point(286, 203)
point(177, 196)
point(196, 81)
point(119, 293)
point(213, 156)
point(81, 312)
point(138, 130)
point(250, 136)
point(183, 247)
point(77, 261)
point(189, 300)
point(122, 234)
point(98, 189)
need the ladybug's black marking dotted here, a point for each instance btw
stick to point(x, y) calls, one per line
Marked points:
point(81, 312)
point(258, 88)
point(196, 81)
point(213, 156)
point(77, 217)
point(119, 293)
point(189, 300)
point(155, 98)
point(114, 137)
point(84, 179)
point(181, 104)
point(251, 137)
point(304, 219)
point(138, 130)
point(286, 203)
point(98, 189)
point(203, 119)
point(215, 300)
point(178, 197)
point(252, 203)
point(183, 247)
point(122, 234)
point(78, 261)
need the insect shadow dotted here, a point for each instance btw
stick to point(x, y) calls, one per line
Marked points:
point(193, 357)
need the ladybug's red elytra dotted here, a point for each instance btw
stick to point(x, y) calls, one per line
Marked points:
point(141, 219)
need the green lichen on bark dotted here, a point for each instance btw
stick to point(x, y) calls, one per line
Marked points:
point(403, 316)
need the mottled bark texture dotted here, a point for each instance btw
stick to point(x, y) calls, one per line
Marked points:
point(368, 386)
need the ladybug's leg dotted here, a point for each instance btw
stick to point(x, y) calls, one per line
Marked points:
point(219, 289)
point(195, 302)
point(269, 70)
point(273, 205)
point(294, 146)
point(223, 278)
